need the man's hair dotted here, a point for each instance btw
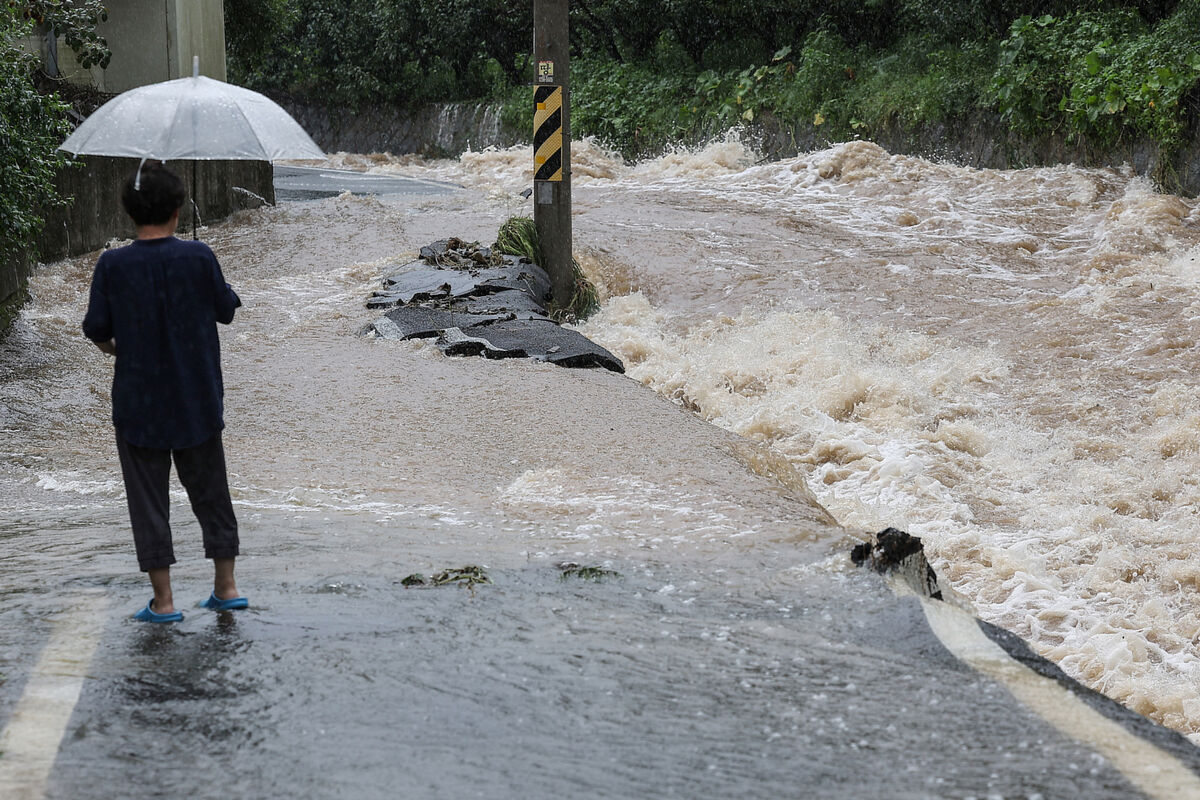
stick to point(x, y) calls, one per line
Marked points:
point(152, 194)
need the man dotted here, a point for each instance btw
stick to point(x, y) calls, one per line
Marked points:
point(154, 305)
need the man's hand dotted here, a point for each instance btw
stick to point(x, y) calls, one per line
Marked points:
point(109, 347)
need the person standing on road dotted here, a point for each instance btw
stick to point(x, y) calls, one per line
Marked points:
point(154, 305)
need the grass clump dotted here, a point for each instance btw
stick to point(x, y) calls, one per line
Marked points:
point(469, 576)
point(518, 236)
point(571, 570)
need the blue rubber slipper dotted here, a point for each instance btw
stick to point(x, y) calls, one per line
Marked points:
point(217, 604)
point(148, 614)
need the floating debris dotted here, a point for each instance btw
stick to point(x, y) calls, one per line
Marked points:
point(469, 576)
point(466, 576)
point(572, 570)
point(454, 252)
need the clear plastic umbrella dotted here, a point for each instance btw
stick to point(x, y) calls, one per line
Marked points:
point(189, 119)
point(192, 119)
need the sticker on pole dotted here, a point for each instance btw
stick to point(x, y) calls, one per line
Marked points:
point(547, 133)
point(545, 72)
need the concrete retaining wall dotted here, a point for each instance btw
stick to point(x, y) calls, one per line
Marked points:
point(985, 141)
point(447, 129)
point(151, 41)
point(981, 141)
point(13, 274)
point(95, 215)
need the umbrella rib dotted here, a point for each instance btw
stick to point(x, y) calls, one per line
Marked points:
point(175, 118)
point(254, 131)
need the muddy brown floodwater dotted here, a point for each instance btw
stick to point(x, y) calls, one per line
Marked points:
point(1003, 363)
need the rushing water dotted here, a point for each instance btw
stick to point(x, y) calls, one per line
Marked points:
point(1003, 363)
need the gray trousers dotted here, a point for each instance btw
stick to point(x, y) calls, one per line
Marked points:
point(201, 470)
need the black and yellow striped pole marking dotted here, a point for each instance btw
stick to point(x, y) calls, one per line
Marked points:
point(552, 145)
point(547, 133)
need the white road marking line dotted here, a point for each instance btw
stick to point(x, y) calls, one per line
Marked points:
point(29, 745)
point(1156, 772)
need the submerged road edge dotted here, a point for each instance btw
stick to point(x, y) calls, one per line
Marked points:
point(1153, 770)
point(1160, 761)
point(1152, 757)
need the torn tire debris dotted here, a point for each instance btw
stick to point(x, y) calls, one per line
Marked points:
point(473, 301)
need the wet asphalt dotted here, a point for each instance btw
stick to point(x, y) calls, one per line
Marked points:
point(665, 680)
point(778, 674)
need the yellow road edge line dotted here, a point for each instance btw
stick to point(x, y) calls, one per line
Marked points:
point(1153, 770)
point(29, 744)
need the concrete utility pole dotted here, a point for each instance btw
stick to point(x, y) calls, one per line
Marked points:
point(552, 144)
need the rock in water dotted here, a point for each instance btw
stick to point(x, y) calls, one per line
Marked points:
point(895, 551)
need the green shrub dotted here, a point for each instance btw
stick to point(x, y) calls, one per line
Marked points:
point(921, 81)
point(651, 74)
point(1099, 74)
point(632, 108)
point(32, 125)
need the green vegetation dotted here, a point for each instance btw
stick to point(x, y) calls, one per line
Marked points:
point(469, 576)
point(407, 52)
point(648, 74)
point(1100, 74)
point(1104, 74)
point(518, 237)
point(33, 123)
point(569, 570)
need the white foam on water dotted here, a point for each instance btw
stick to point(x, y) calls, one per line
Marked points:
point(75, 482)
point(496, 171)
point(1057, 490)
point(893, 431)
point(787, 378)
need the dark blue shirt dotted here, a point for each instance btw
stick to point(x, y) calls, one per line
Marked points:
point(160, 299)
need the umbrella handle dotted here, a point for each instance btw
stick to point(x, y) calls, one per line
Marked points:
point(195, 208)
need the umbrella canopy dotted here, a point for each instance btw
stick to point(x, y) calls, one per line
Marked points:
point(187, 119)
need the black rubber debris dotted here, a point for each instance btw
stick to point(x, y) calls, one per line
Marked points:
point(542, 340)
point(478, 302)
point(418, 322)
point(514, 302)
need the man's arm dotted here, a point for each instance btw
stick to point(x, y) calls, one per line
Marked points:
point(227, 300)
point(97, 322)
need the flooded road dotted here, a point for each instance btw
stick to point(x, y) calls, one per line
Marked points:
point(672, 680)
point(1002, 362)
point(998, 362)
